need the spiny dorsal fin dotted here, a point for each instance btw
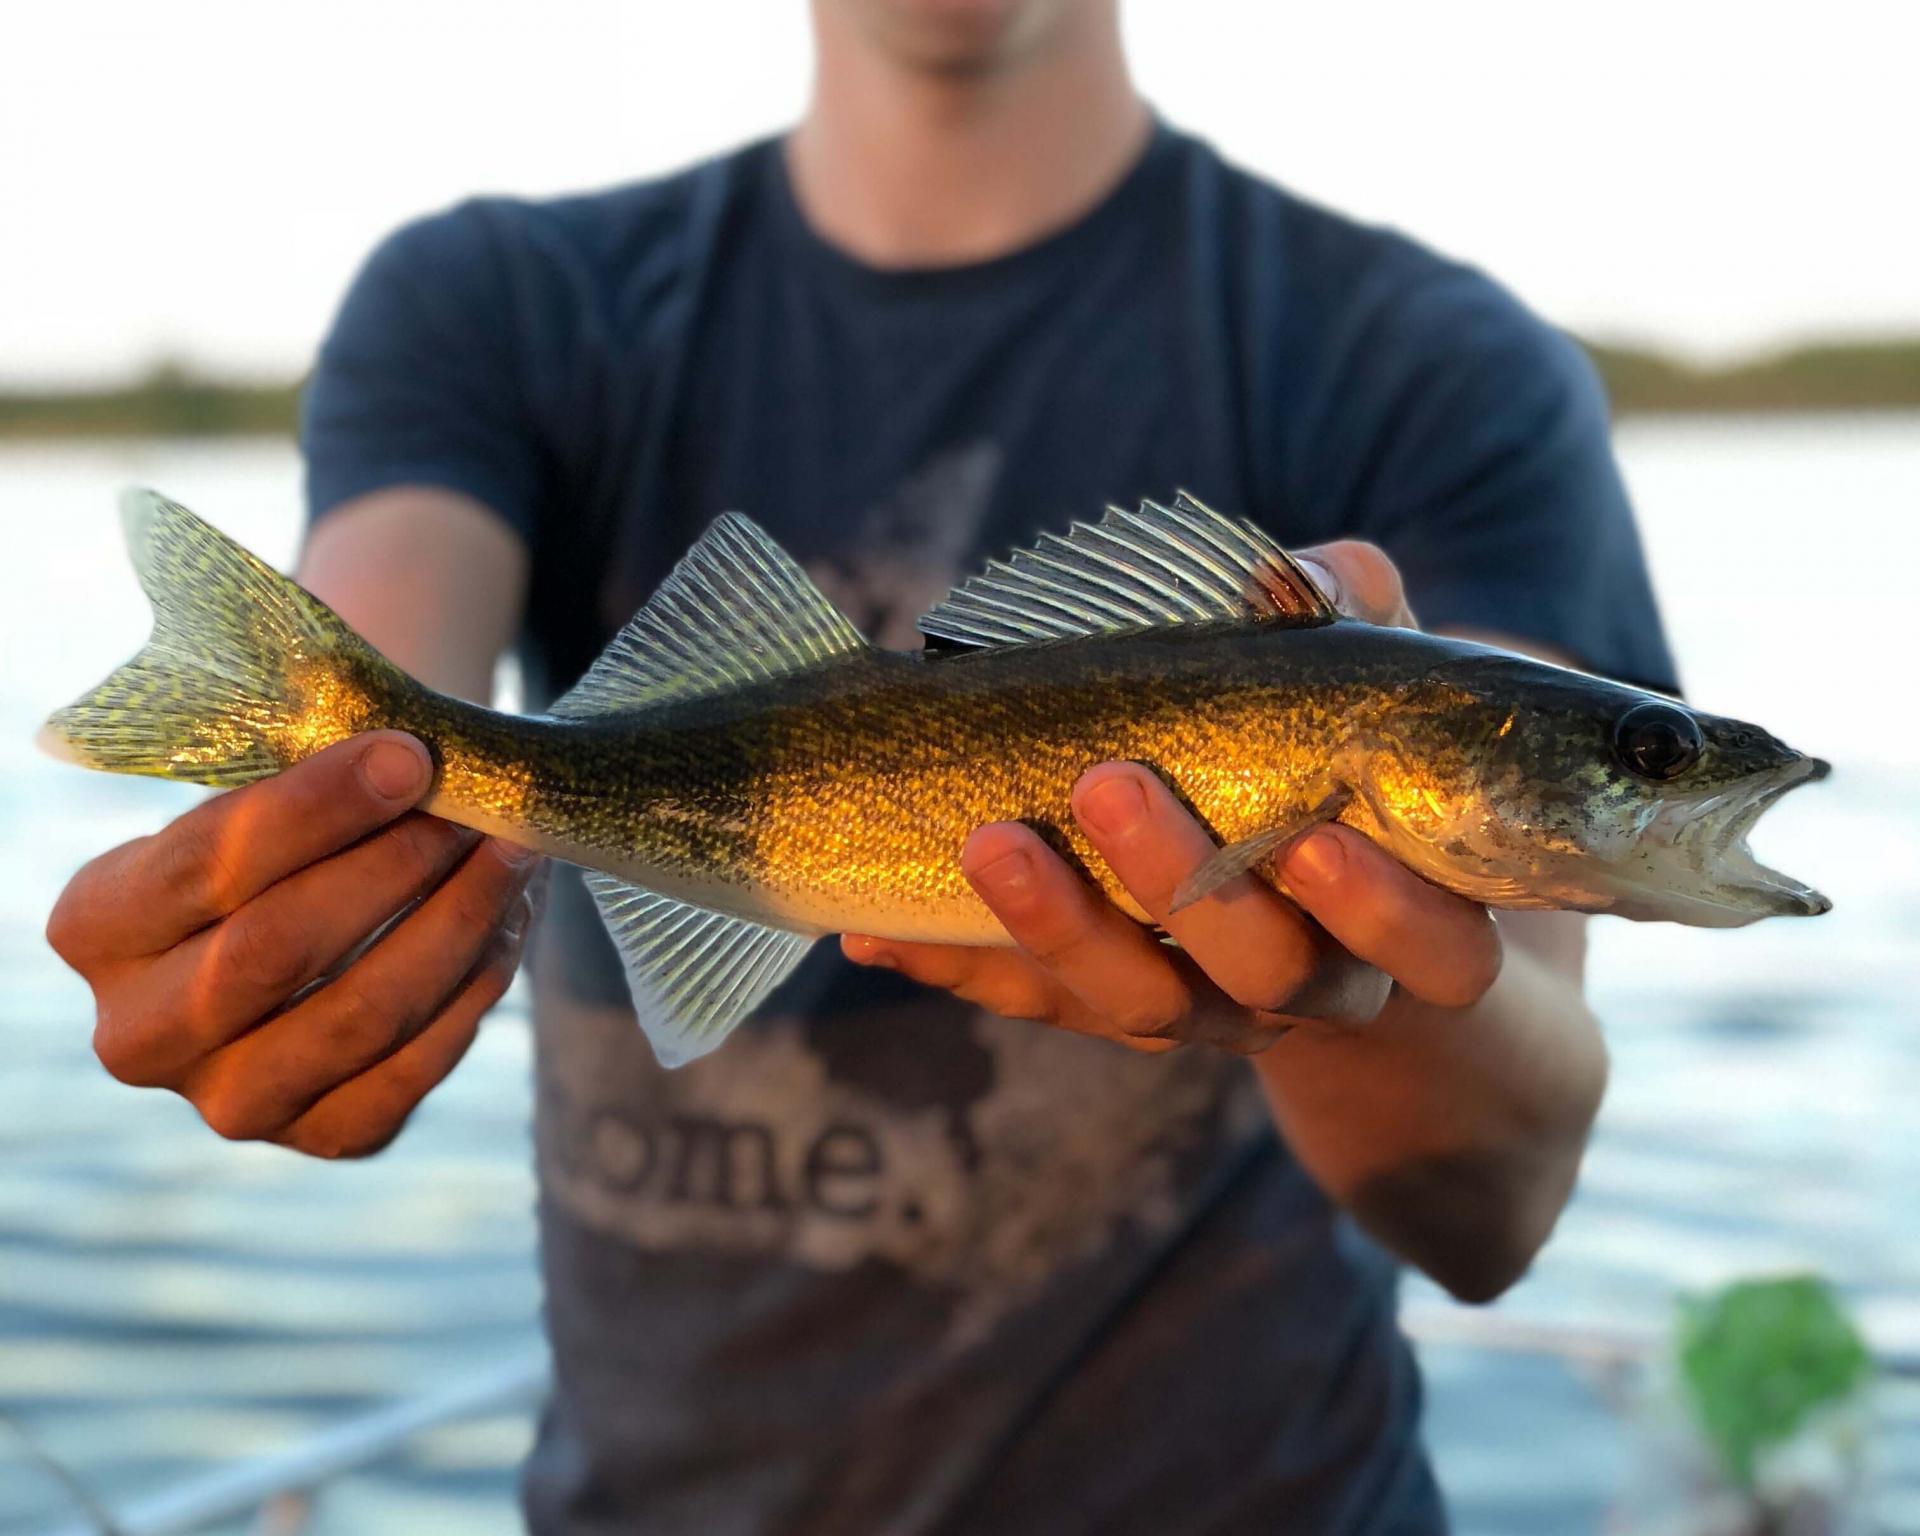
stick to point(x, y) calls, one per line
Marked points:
point(694, 974)
point(735, 610)
point(1183, 564)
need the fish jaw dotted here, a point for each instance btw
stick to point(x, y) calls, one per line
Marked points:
point(1691, 864)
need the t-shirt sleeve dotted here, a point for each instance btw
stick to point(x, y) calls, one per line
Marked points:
point(418, 382)
point(1478, 455)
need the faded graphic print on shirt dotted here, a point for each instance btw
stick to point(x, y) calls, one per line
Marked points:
point(912, 546)
point(862, 1118)
point(1045, 1145)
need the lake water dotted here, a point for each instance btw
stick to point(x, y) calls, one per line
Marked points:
point(168, 1300)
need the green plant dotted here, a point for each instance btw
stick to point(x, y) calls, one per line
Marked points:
point(1759, 1357)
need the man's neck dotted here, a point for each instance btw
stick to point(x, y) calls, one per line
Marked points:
point(901, 166)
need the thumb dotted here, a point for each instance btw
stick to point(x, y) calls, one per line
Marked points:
point(1360, 580)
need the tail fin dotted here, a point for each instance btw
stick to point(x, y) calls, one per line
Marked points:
point(244, 673)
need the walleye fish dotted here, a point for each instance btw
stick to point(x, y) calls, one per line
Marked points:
point(741, 772)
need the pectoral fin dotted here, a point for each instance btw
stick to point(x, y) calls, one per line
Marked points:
point(694, 974)
point(1235, 859)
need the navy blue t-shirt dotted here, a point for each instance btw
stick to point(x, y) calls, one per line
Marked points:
point(884, 1263)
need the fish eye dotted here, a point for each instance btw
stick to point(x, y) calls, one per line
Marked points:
point(1657, 741)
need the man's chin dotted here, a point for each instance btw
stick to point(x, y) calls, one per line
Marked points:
point(954, 37)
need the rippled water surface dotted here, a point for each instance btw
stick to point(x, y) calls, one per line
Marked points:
point(169, 1301)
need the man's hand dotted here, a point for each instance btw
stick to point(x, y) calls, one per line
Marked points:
point(1251, 963)
point(229, 960)
point(1443, 1092)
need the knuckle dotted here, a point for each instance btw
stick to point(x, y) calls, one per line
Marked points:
point(64, 929)
point(124, 1062)
point(496, 976)
point(68, 923)
point(334, 1139)
point(480, 902)
point(1053, 937)
point(1470, 978)
point(358, 1024)
point(264, 952)
point(232, 1115)
point(1378, 925)
point(1149, 1018)
point(85, 906)
point(187, 868)
point(413, 848)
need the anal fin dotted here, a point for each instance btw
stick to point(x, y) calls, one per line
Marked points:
point(694, 974)
point(1235, 859)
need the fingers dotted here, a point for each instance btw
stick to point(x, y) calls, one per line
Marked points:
point(365, 1113)
point(1009, 982)
point(258, 1085)
point(150, 894)
point(1250, 962)
point(1441, 947)
point(1081, 964)
point(213, 987)
point(1361, 580)
point(1004, 981)
point(1081, 940)
point(1248, 940)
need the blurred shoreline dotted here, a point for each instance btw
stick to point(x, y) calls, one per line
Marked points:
point(175, 401)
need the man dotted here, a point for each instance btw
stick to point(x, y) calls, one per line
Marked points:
point(898, 1259)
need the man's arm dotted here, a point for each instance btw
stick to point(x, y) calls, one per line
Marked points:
point(430, 578)
point(227, 953)
point(1441, 1095)
point(1453, 1135)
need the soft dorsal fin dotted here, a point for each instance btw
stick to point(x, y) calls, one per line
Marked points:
point(1183, 564)
point(735, 610)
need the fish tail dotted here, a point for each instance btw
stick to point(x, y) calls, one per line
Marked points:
point(245, 672)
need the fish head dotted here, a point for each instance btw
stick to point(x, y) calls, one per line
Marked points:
point(1543, 785)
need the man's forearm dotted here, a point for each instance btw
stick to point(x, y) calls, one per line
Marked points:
point(1452, 1135)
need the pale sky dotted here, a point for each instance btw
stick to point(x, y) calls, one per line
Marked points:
point(200, 179)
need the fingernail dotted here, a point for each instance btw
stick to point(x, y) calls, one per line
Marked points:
point(518, 921)
point(513, 855)
point(1319, 858)
point(867, 951)
point(1323, 578)
point(1114, 804)
point(393, 770)
point(1010, 871)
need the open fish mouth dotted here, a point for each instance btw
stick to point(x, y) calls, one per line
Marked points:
point(1711, 836)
